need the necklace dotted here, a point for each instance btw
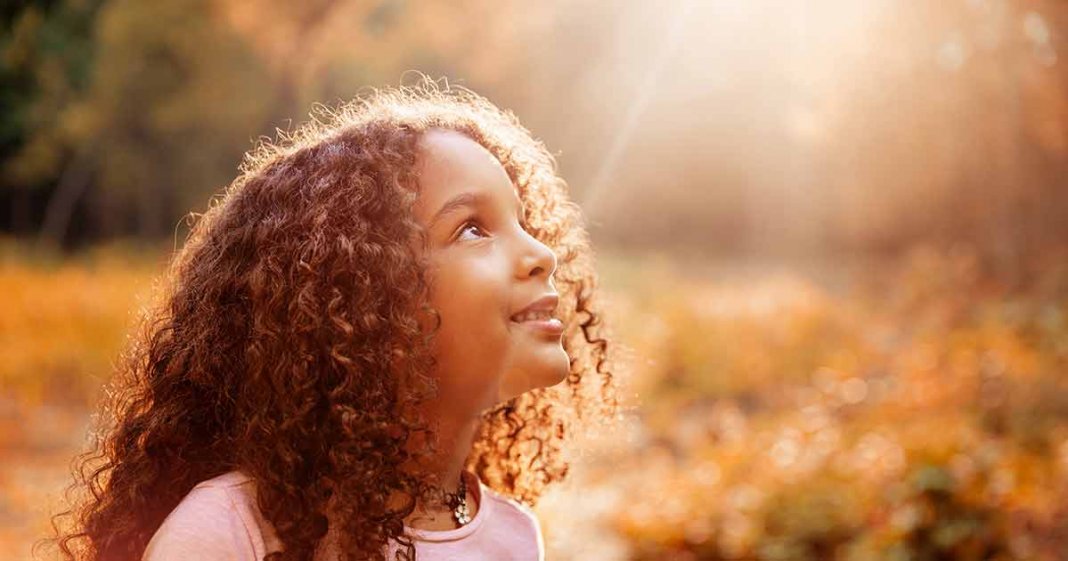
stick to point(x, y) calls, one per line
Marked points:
point(459, 502)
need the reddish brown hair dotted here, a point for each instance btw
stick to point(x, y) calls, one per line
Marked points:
point(284, 341)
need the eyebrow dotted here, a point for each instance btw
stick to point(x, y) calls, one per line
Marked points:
point(464, 200)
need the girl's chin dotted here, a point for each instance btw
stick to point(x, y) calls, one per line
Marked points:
point(542, 370)
point(556, 365)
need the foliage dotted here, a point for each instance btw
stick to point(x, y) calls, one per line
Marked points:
point(63, 320)
point(914, 411)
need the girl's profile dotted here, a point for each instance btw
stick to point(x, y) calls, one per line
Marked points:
point(374, 344)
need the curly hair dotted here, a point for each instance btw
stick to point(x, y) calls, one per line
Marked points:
point(283, 341)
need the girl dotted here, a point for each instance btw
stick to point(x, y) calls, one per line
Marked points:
point(372, 346)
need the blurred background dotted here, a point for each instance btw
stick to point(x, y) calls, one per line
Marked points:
point(833, 236)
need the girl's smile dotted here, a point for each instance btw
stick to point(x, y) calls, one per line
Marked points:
point(539, 315)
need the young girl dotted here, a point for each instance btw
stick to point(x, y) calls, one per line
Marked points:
point(373, 345)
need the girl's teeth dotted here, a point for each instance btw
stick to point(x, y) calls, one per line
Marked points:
point(531, 316)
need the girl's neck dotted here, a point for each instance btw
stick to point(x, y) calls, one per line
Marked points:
point(455, 437)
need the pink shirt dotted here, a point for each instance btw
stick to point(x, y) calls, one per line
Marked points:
point(218, 520)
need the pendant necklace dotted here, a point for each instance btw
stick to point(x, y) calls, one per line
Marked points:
point(459, 501)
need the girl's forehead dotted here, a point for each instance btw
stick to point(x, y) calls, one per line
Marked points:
point(450, 164)
point(455, 152)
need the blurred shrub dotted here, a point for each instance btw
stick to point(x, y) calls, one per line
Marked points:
point(64, 319)
point(917, 414)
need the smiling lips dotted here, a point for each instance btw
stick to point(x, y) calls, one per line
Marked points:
point(538, 316)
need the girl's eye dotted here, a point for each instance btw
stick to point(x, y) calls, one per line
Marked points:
point(469, 226)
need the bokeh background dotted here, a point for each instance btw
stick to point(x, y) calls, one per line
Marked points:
point(832, 234)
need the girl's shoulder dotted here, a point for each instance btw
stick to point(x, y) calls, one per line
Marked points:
point(516, 512)
point(217, 519)
point(517, 519)
point(228, 480)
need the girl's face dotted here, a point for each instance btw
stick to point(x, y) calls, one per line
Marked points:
point(484, 268)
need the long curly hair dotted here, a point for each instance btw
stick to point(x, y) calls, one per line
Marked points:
point(283, 341)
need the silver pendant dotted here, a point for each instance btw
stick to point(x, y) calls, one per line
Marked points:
point(462, 515)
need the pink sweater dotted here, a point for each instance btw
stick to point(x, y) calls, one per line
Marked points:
point(218, 520)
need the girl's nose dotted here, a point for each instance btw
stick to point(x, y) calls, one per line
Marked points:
point(536, 259)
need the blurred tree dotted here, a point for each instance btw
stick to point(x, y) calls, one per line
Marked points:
point(957, 130)
point(820, 126)
point(46, 54)
point(151, 103)
point(175, 95)
point(178, 89)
